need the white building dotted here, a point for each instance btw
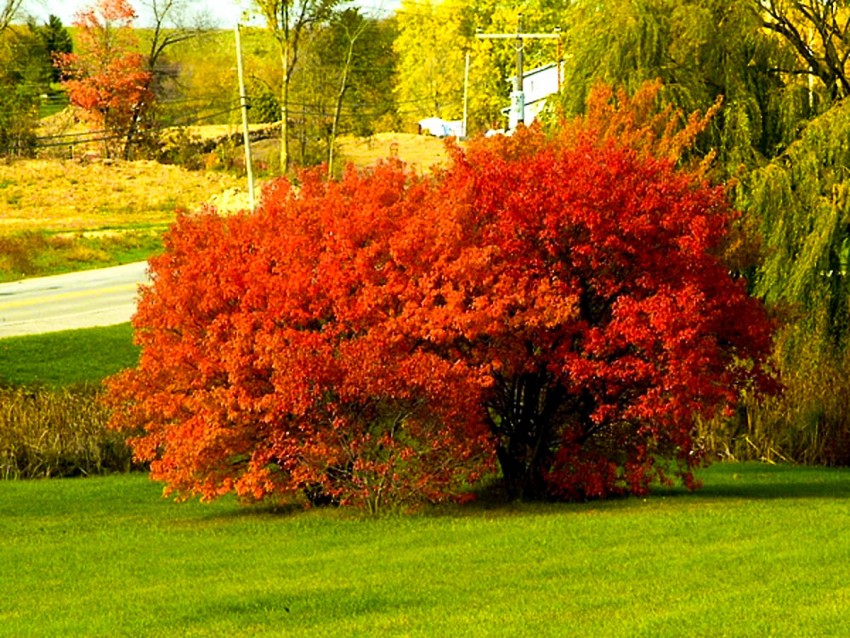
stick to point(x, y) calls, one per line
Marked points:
point(537, 85)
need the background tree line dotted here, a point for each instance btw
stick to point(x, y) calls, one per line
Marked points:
point(340, 74)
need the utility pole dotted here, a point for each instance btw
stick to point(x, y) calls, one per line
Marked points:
point(466, 95)
point(243, 99)
point(517, 114)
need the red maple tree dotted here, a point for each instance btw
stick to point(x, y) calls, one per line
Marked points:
point(555, 305)
point(582, 280)
point(106, 77)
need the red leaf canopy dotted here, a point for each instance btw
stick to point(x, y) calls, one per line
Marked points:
point(555, 304)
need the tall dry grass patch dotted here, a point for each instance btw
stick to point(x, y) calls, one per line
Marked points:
point(57, 433)
point(66, 195)
point(807, 423)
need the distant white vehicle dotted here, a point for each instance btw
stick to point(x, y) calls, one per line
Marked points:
point(439, 127)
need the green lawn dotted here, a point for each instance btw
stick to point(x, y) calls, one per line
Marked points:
point(67, 358)
point(762, 550)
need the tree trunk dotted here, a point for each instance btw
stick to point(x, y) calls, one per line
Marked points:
point(338, 106)
point(525, 425)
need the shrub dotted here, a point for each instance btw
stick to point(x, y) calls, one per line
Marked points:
point(555, 304)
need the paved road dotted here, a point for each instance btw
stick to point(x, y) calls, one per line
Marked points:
point(85, 299)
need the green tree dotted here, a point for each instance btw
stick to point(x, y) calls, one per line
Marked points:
point(24, 76)
point(351, 27)
point(432, 40)
point(700, 49)
point(355, 58)
point(56, 40)
point(288, 21)
point(801, 201)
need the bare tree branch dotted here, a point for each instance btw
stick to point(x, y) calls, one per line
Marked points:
point(8, 10)
point(819, 32)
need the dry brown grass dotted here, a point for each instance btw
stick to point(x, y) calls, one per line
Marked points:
point(69, 195)
point(48, 433)
point(65, 195)
point(421, 152)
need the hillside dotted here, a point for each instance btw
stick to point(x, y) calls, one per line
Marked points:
point(421, 152)
point(65, 195)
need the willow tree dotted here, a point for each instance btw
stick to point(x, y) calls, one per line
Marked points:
point(700, 49)
point(819, 32)
point(802, 202)
point(288, 21)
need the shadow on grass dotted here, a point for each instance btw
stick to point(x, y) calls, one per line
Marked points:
point(756, 481)
point(739, 481)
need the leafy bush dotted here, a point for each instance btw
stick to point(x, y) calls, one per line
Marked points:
point(555, 305)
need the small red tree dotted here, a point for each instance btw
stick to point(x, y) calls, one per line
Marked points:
point(106, 77)
point(555, 303)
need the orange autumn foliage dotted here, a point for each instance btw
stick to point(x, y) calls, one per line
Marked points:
point(553, 305)
point(107, 77)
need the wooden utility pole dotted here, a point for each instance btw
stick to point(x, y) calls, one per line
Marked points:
point(246, 135)
point(466, 95)
point(517, 115)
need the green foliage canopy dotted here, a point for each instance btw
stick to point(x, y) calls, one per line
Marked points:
point(700, 49)
point(802, 200)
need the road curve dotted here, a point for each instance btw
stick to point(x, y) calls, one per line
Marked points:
point(85, 299)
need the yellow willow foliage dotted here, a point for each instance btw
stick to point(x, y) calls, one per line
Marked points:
point(801, 203)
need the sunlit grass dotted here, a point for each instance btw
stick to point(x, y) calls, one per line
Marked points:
point(760, 551)
point(421, 152)
point(62, 216)
point(67, 358)
point(40, 253)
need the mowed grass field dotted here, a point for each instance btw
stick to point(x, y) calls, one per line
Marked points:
point(760, 551)
point(67, 358)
